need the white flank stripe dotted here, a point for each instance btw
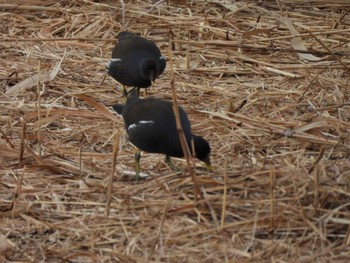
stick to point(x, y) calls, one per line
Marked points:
point(113, 60)
point(132, 126)
point(140, 123)
point(146, 122)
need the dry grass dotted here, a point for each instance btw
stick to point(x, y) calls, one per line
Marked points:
point(277, 121)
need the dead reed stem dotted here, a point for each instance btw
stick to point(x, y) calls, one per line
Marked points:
point(224, 196)
point(114, 162)
point(23, 136)
point(184, 145)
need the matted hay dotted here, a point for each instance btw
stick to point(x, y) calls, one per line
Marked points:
point(265, 82)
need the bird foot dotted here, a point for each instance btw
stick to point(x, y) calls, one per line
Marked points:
point(171, 164)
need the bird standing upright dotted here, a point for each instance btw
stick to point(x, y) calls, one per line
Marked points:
point(136, 61)
point(151, 126)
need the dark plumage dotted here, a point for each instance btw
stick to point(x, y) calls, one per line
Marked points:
point(151, 126)
point(136, 61)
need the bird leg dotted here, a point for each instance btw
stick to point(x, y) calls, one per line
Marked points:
point(145, 91)
point(137, 163)
point(125, 92)
point(171, 164)
point(138, 92)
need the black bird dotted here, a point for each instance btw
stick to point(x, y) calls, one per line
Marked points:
point(151, 127)
point(136, 61)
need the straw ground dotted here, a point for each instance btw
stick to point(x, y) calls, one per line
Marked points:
point(265, 82)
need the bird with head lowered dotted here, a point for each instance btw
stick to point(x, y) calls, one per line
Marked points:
point(151, 126)
point(136, 61)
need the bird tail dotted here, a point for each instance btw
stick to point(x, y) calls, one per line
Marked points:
point(118, 108)
point(133, 94)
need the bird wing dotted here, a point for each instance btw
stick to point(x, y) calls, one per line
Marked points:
point(151, 126)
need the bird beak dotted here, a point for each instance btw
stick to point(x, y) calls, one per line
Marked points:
point(209, 167)
point(152, 78)
point(207, 164)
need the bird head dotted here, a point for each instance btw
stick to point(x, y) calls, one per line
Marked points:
point(149, 70)
point(202, 148)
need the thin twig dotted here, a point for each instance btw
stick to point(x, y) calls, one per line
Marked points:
point(17, 193)
point(38, 110)
point(330, 51)
point(184, 145)
point(224, 197)
point(114, 162)
point(23, 137)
